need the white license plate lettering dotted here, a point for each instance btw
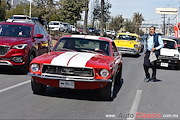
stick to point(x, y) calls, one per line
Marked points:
point(164, 64)
point(66, 84)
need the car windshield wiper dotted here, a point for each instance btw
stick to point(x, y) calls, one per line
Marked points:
point(65, 49)
point(90, 51)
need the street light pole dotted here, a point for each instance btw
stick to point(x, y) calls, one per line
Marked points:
point(30, 9)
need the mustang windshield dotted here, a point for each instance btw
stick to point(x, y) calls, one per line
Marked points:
point(127, 37)
point(15, 30)
point(83, 45)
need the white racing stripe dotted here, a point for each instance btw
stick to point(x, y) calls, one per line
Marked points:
point(72, 59)
point(80, 60)
point(63, 59)
point(14, 86)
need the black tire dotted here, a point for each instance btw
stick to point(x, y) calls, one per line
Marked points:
point(107, 92)
point(118, 80)
point(25, 68)
point(38, 88)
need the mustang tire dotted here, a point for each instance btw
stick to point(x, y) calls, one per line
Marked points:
point(38, 88)
point(118, 80)
point(107, 92)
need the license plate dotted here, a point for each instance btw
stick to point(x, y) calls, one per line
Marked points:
point(164, 64)
point(66, 84)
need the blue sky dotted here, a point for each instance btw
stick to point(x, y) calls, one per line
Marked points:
point(126, 8)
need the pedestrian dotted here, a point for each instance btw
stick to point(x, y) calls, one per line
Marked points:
point(152, 43)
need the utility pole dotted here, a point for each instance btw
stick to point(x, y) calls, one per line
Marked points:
point(30, 8)
point(164, 24)
point(102, 18)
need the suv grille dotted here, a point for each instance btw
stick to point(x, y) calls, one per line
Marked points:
point(67, 71)
point(4, 50)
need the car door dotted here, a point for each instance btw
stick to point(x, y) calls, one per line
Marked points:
point(44, 42)
point(117, 58)
point(38, 40)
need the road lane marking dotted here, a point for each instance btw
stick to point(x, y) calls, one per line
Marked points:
point(135, 104)
point(14, 86)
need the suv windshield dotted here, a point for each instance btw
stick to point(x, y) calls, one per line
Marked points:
point(83, 45)
point(127, 37)
point(15, 30)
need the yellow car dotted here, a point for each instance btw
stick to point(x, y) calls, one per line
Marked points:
point(128, 43)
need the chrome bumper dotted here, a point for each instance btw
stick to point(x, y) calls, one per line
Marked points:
point(132, 51)
point(70, 79)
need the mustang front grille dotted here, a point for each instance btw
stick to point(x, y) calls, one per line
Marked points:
point(67, 71)
point(4, 50)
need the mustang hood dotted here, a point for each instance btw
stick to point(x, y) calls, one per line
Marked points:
point(74, 59)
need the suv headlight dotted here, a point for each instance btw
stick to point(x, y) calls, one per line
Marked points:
point(176, 55)
point(20, 46)
point(34, 67)
point(136, 46)
point(104, 73)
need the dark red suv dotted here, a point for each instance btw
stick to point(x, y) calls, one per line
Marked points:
point(21, 42)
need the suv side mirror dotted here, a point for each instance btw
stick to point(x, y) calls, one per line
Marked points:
point(39, 36)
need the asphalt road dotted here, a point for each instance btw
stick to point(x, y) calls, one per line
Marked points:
point(134, 98)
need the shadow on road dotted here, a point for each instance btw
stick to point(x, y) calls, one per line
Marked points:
point(10, 71)
point(133, 56)
point(90, 95)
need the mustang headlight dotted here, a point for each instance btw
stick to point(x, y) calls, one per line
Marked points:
point(20, 46)
point(34, 67)
point(136, 46)
point(104, 73)
point(176, 55)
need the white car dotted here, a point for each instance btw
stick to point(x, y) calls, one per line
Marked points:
point(56, 26)
point(108, 32)
point(170, 53)
point(19, 18)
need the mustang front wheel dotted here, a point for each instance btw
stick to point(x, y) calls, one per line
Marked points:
point(108, 91)
point(38, 88)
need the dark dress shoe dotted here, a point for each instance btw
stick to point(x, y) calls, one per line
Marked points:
point(146, 79)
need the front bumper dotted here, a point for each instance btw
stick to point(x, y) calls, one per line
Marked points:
point(132, 51)
point(79, 83)
point(168, 61)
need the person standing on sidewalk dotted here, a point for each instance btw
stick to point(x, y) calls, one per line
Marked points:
point(152, 43)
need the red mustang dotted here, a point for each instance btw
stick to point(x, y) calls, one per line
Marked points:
point(79, 62)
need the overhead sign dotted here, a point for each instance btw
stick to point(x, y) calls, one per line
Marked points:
point(167, 11)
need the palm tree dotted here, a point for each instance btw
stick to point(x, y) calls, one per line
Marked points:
point(137, 19)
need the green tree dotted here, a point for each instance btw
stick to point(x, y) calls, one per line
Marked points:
point(20, 9)
point(116, 22)
point(137, 19)
point(70, 10)
point(129, 26)
point(4, 5)
point(43, 8)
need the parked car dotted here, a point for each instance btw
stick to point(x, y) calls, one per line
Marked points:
point(56, 26)
point(21, 42)
point(66, 27)
point(108, 32)
point(91, 30)
point(19, 18)
point(72, 29)
point(128, 43)
point(78, 62)
point(170, 53)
